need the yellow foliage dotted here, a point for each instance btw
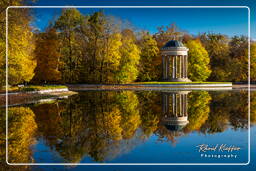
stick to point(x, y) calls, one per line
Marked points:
point(198, 111)
point(21, 131)
point(21, 46)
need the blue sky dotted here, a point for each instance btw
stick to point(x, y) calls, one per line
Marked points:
point(227, 21)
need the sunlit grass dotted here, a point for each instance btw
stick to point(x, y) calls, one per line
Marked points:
point(35, 87)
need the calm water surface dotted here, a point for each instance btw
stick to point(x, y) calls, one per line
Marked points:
point(132, 127)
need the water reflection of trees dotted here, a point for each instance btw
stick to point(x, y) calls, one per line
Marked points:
point(90, 124)
point(227, 109)
point(104, 125)
point(21, 135)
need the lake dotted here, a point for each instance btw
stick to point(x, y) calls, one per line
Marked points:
point(133, 127)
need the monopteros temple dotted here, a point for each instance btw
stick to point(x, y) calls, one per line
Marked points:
point(175, 56)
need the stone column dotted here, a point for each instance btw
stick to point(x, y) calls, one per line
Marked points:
point(173, 102)
point(180, 67)
point(176, 105)
point(186, 105)
point(168, 104)
point(175, 66)
point(163, 67)
point(186, 66)
point(182, 103)
point(183, 65)
point(168, 67)
point(163, 104)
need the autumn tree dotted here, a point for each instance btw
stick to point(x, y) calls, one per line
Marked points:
point(21, 131)
point(48, 57)
point(3, 6)
point(150, 111)
point(238, 54)
point(218, 50)
point(162, 36)
point(130, 57)
point(69, 25)
point(198, 68)
point(232, 111)
point(167, 33)
point(253, 60)
point(198, 110)
point(148, 57)
point(21, 61)
point(101, 51)
point(130, 120)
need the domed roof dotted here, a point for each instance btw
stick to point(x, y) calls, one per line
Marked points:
point(174, 127)
point(174, 47)
point(173, 43)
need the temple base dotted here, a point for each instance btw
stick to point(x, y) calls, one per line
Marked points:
point(178, 80)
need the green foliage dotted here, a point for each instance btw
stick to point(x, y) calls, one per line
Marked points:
point(238, 68)
point(198, 61)
point(198, 110)
point(130, 56)
point(99, 49)
point(150, 111)
point(2, 63)
point(148, 57)
point(218, 50)
point(69, 25)
point(130, 113)
point(253, 61)
point(102, 125)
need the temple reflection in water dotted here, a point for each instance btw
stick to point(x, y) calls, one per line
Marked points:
point(175, 110)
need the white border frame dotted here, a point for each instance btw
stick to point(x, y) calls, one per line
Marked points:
point(101, 164)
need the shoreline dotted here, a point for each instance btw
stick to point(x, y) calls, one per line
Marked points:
point(20, 98)
point(38, 96)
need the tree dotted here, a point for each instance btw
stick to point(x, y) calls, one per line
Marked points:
point(238, 67)
point(69, 24)
point(2, 63)
point(218, 50)
point(21, 131)
point(48, 57)
point(150, 106)
point(130, 56)
point(198, 68)
point(253, 61)
point(102, 49)
point(130, 122)
point(198, 110)
point(166, 33)
point(149, 54)
point(21, 61)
